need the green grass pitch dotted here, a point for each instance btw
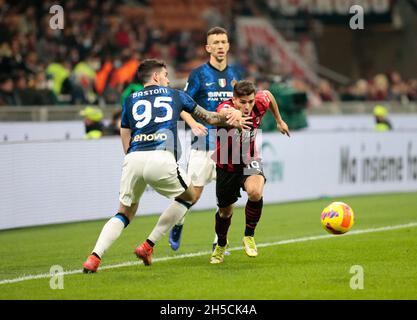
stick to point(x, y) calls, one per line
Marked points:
point(316, 268)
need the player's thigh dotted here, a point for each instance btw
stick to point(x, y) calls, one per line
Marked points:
point(164, 175)
point(227, 188)
point(201, 167)
point(132, 184)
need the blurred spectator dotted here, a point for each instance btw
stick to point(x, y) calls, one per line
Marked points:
point(85, 74)
point(326, 92)
point(93, 122)
point(399, 88)
point(42, 82)
point(102, 76)
point(381, 119)
point(58, 72)
point(8, 96)
point(412, 90)
point(380, 88)
point(114, 126)
point(26, 96)
point(360, 90)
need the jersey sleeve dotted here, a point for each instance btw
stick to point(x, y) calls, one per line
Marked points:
point(188, 104)
point(262, 101)
point(125, 118)
point(193, 84)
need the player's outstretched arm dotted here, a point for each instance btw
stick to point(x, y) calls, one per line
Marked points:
point(197, 128)
point(218, 119)
point(273, 106)
point(125, 134)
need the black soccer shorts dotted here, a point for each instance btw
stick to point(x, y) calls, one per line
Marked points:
point(228, 184)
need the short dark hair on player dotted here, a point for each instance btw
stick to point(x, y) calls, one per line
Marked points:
point(243, 88)
point(147, 67)
point(216, 30)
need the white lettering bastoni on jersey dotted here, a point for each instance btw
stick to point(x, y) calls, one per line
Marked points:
point(149, 92)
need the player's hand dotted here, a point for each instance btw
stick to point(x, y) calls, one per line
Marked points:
point(233, 115)
point(245, 123)
point(283, 127)
point(199, 130)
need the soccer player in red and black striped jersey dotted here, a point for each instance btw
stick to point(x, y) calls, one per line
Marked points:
point(239, 166)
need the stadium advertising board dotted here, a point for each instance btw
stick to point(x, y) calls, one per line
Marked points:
point(326, 165)
point(57, 182)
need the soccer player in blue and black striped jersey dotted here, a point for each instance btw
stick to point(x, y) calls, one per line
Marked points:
point(209, 85)
point(149, 137)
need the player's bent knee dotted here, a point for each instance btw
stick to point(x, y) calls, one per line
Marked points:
point(189, 195)
point(254, 194)
point(226, 212)
point(197, 196)
point(129, 212)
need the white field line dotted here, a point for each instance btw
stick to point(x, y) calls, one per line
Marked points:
point(203, 253)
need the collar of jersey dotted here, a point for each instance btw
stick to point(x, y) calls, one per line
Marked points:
point(152, 85)
point(211, 66)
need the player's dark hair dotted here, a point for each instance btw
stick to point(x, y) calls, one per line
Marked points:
point(243, 88)
point(216, 30)
point(147, 68)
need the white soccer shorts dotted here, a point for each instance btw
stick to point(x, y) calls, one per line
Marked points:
point(156, 168)
point(201, 167)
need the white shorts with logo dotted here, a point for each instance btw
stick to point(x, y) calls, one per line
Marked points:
point(157, 168)
point(201, 167)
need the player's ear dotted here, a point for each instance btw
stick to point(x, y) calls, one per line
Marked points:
point(155, 76)
point(208, 48)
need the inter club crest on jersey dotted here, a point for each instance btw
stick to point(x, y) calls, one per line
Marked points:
point(222, 82)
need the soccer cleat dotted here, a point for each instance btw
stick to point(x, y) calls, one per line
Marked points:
point(175, 237)
point(250, 246)
point(226, 253)
point(144, 252)
point(91, 264)
point(218, 255)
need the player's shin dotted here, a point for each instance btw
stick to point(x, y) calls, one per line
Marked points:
point(222, 227)
point(253, 212)
point(181, 221)
point(110, 232)
point(174, 213)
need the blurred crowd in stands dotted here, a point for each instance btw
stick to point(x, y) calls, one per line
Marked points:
point(381, 87)
point(95, 57)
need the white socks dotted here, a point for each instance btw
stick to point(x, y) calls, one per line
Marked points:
point(110, 232)
point(167, 220)
point(114, 227)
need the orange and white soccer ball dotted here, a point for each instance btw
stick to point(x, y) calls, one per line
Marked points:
point(337, 218)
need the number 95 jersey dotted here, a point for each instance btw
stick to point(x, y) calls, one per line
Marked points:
point(152, 115)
